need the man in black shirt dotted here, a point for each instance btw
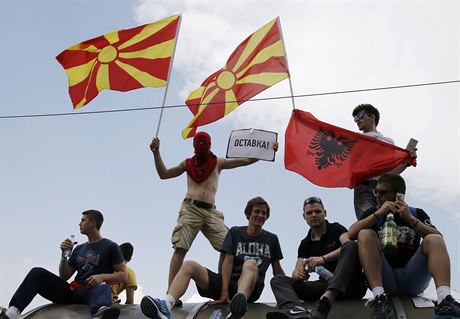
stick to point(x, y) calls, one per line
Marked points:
point(326, 244)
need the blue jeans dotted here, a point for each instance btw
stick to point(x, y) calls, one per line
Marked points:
point(410, 280)
point(57, 290)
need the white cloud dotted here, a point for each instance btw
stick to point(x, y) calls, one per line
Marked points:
point(343, 46)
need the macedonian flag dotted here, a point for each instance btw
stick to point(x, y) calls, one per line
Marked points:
point(121, 60)
point(256, 64)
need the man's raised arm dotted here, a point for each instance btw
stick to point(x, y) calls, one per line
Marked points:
point(162, 170)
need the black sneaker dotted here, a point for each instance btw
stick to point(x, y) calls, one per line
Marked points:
point(111, 313)
point(3, 313)
point(296, 312)
point(449, 308)
point(178, 303)
point(106, 312)
point(282, 314)
point(238, 307)
point(322, 309)
point(155, 308)
point(382, 308)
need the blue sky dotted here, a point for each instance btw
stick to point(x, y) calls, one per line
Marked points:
point(53, 168)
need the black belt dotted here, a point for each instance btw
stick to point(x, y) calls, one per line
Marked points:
point(199, 203)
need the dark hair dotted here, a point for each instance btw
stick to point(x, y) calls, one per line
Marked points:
point(95, 216)
point(256, 201)
point(398, 185)
point(368, 109)
point(127, 251)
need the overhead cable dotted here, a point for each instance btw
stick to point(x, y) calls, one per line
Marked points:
point(251, 100)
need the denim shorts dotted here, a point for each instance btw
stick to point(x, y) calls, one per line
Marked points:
point(410, 280)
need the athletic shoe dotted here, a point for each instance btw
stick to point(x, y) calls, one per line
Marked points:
point(322, 309)
point(106, 312)
point(178, 303)
point(3, 313)
point(382, 308)
point(296, 312)
point(238, 306)
point(448, 308)
point(155, 308)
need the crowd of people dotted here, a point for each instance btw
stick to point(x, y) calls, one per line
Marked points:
point(353, 256)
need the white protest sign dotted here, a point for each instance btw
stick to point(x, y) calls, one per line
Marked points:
point(252, 143)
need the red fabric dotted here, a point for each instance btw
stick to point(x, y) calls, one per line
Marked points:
point(202, 143)
point(74, 285)
point(198, 171)
point(200, 166)
point(255, 65)
point(121, 60)
point(331, 156)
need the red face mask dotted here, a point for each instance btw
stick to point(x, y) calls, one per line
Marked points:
point(202, 143)
point(201, 166)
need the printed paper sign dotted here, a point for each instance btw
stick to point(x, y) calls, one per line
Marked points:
point(252, 143)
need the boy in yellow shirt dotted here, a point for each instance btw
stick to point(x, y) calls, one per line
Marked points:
point(130, 285)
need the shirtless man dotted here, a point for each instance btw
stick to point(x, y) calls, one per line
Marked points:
point(198, 211)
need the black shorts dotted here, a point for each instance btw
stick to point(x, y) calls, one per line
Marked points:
point(215, 286)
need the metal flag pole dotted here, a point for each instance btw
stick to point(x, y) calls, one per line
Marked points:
point(287, 65)
point(169, 74)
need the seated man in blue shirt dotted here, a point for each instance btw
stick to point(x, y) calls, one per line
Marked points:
point(97, 263)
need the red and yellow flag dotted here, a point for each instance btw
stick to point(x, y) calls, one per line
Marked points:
point(120, 60)
point(256, 64)
point(331, 156)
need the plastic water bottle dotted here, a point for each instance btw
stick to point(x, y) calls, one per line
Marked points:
point(68, 252)
point(389, 235)
point(324, 273)
point(216, 314)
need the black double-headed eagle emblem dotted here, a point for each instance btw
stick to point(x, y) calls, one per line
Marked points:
point(328, 149)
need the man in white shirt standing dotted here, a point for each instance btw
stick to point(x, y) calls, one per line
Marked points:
point(367, 118)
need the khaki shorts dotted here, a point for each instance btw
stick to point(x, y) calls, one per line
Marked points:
point(193, 219)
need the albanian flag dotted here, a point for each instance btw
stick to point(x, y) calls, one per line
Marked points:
point(331, 156)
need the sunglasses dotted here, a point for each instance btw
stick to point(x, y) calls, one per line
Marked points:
point(311, 200)
point(359, 116)
point(381, 192)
